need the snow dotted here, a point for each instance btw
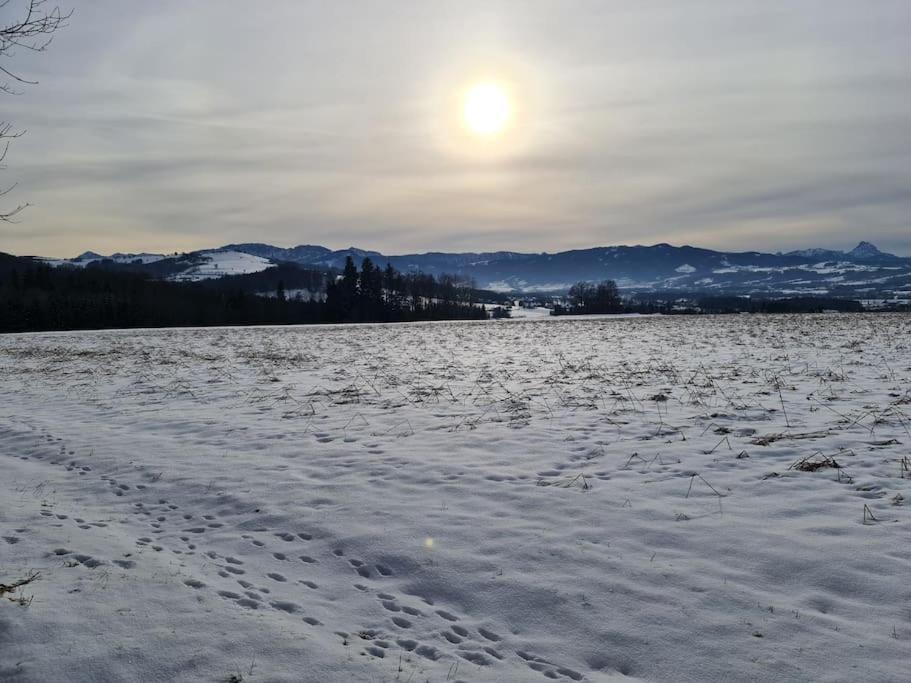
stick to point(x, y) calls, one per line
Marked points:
point(144, 258)
point(90, 257)
point(817, 253)
point(573, 499)
point(685, 268)
point(57, 262)
point(517, 284)
point(215, 263)
point(221, 263)
point(865, 250)
point(822, 268)
point(520, 313)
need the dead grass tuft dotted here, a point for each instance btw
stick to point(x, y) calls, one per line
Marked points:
point(9, 590)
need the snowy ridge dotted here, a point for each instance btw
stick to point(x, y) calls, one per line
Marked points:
point(221, 263)
point(91, 257)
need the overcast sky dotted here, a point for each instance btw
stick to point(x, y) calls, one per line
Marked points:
point(177, 125)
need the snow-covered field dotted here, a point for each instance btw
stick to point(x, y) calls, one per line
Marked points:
point(221, 263)
point(579, 500)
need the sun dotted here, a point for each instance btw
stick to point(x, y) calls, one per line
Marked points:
point(486, 109)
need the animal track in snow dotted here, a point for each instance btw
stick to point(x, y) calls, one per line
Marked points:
point(87, 561)
point(474, 657)
point(547, 668)
point(489, 635)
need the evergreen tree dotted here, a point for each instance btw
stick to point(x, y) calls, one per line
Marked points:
point(349, 277)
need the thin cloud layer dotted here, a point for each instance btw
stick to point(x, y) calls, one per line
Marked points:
point(173, 125)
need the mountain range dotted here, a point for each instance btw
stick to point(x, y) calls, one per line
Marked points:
point(863, 272)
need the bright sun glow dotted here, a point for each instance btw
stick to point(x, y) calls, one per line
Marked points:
point(487, 109)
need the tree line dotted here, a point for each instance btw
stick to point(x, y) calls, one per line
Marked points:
point(805, 304)
point(604, 297)
point(590, 298)
point(35, 297)
point(387, 295)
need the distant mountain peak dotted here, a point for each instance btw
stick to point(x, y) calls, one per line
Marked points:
point(863, 251)
point(865, 271)
point(866, 250)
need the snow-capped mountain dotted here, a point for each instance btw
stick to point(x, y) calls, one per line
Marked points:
point(865, 251)
point(863, 272)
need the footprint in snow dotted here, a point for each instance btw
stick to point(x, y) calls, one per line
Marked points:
point(547, 668)
point(284, 606)
point(489, 635)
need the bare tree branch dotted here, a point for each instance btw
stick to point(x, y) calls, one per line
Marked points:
point(33, 30)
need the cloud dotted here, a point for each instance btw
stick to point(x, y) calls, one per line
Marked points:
point(186, 125)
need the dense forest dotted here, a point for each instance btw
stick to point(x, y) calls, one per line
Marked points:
point(376, 294)
point(34, 296)
point(286, 277)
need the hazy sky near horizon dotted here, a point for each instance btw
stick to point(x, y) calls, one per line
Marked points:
point(174, 125)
